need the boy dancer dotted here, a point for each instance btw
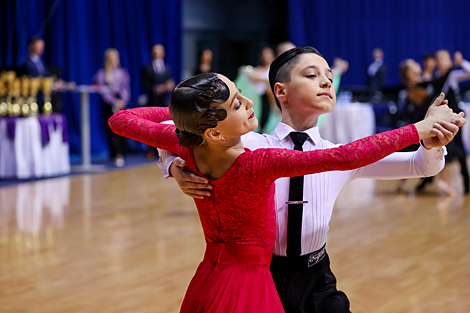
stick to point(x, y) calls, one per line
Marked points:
point(300, 265)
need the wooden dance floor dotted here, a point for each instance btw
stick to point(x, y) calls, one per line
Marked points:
point(130, 241)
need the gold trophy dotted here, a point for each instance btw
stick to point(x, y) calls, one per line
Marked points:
point(34, 83)
point(3, 108)
point(8, 78)
point(15, 94)
point(9, 105)
point(25, 109)
point(3, 94)
point(47, 83)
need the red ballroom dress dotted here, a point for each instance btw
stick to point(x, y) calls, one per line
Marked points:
point(239, 220)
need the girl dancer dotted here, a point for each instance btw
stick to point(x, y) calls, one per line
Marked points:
point(238, 219)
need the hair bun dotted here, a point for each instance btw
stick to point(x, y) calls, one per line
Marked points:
point(187, 139)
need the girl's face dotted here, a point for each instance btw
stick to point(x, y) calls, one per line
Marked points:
point(311, 86)
point(240, 114)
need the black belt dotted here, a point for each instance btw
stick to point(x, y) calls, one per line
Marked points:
point(298, 263)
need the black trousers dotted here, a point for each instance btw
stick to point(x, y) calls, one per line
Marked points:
point(309, 289)
point(117, 144)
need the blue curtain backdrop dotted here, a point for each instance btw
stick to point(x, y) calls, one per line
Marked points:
point(402, 28)
point(77, 32)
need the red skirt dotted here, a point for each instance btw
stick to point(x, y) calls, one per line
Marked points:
point(233, 278)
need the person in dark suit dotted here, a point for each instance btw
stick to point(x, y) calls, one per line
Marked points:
point(377, 74)
point(157, 81)
point(33, 65)
point(156, 78)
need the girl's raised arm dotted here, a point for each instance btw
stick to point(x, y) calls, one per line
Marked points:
point(143, 124)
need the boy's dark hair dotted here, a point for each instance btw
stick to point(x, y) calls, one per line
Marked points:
point(282, 66)
point(192, 107)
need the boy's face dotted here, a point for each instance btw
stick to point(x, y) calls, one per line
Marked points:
point(311, 86)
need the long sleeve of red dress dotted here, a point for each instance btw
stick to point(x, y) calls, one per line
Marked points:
point(275, 163)
point(143, 124)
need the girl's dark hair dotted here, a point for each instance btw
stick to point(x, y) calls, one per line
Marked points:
point(282, 66)
point(193, 109)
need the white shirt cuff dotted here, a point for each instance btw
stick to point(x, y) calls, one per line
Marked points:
point(164, 162)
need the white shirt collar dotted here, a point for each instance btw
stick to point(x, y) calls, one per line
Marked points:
point(283, 130)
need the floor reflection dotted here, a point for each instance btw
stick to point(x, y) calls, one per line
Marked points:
point(35, 207)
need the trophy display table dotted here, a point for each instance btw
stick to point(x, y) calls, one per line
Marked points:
point(34, 147)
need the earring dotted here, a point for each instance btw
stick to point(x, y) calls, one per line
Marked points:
point(223, 139)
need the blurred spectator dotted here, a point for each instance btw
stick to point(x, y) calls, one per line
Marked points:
point(412, 100)
point(283, 47)
point(340, 67)
point(33, 65)
point(445, 66)
point(447, 69)
point(157, 81)
point(429, 64)
point(419, 95)
point(377, 74)
point(204, 62)
point(156, 78)
point(259, 78)
point(114, 87)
